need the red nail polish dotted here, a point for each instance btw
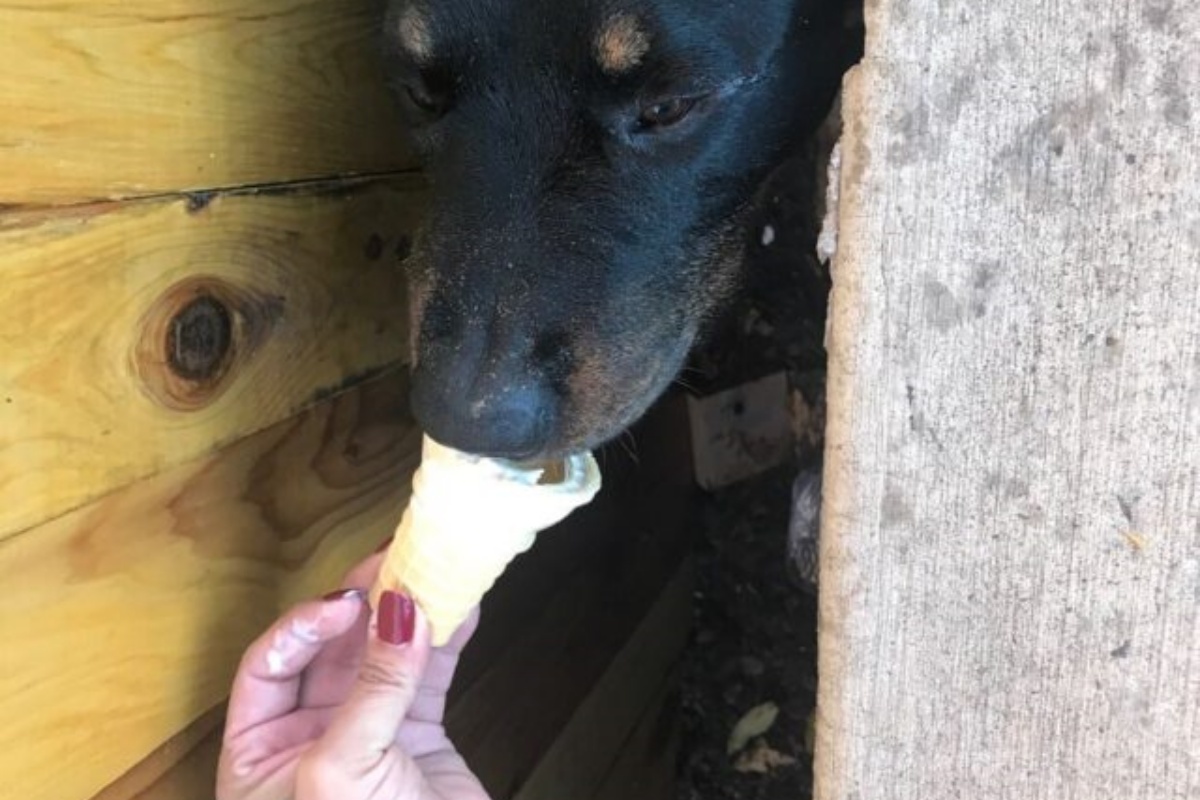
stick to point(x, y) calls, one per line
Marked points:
point(345, 594)
point(397, 618)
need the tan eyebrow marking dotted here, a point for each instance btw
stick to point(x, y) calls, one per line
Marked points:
point(621, 44)
point(416, 36)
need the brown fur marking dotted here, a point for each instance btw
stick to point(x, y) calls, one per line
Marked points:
point(420, 287)
point(592, 401)
point(416, 37)
point(621, 44)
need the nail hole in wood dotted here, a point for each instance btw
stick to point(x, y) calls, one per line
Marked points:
point(373, 249)
point(404, 248)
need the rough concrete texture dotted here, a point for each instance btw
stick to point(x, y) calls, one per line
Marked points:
point(1011, 544)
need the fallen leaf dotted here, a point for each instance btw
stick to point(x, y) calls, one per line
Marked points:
point(753, 723)
point(762, 759)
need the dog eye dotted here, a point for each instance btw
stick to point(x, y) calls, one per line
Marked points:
point(426, 101)
point(666, 113)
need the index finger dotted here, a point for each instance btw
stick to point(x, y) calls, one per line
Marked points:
point(338, 661)
point(268, 680)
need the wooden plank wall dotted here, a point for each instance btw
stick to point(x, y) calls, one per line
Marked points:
point(204, 209)
point(93, 296)
point(125, 98)
point(1011, 548)
point(186, 262)
point(128, 614)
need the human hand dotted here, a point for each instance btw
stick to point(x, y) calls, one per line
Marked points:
point(330, 704)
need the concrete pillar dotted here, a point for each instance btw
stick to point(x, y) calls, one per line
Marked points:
point(1011, 543)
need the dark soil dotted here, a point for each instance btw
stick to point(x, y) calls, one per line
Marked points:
point(755, 642)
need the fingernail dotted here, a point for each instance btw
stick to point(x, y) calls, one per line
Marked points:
point(345, 594)
point(384, 546)
point(397, 618)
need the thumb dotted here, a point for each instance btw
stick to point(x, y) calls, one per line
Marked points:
point(365, 727)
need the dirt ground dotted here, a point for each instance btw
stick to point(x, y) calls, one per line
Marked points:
point(754, 641)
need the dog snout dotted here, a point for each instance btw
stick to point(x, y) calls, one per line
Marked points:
point(513, 422)
point(488, 397)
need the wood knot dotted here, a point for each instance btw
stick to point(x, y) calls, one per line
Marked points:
point(199, 339)
point(196, 337)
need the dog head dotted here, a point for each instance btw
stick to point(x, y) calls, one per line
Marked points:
point(589, 161)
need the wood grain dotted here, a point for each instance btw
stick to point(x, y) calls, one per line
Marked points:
point(182, 768)
point(191, 778)
point(123, 620)
point(1010, 571)
point(91, 396)
point(112, 98)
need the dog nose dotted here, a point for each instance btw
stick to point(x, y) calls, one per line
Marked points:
point(511, 419)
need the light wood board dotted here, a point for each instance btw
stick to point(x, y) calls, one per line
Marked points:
point(1011, 546)
point(88, 399)
point(123, 621)
point(182, 768)
point(121, 98)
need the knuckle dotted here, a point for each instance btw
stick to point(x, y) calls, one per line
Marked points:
point(235, 759)
point(377, 677)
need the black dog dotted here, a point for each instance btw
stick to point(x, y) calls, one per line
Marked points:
point(592, 162)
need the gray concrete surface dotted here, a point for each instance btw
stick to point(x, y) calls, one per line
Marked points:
point(1011, 542)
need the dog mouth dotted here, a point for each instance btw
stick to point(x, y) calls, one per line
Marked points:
point(515, 374)
point(520, 418)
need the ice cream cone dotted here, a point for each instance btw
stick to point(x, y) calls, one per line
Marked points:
point(468, 518)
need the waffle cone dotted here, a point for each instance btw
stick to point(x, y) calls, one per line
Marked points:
point(468, 518)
